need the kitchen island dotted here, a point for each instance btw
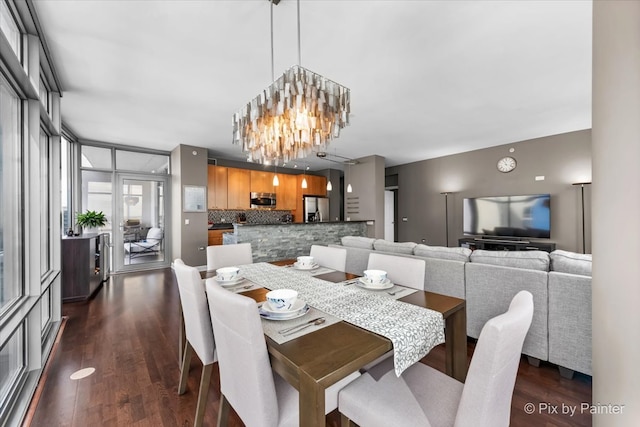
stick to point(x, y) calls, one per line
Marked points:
point(289, 240)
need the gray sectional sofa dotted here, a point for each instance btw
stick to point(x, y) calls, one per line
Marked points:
point(560, 283)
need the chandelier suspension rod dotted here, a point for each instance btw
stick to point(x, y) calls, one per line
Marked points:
point(299, 55)
point(272, 69)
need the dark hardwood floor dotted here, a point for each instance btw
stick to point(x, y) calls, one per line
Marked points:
point(129, 334)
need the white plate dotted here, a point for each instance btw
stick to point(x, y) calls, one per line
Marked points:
point(311, 267)
point(299, 313)
point(297, 306)
point(362, 282)
point(228, 283)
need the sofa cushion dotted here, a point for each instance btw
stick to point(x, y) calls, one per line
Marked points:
point(405, 248)
point(570, 262)
point(442, 252)
point(358, 242)
point(532, 260)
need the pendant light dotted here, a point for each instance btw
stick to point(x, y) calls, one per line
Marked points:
point(304, 178)
point(349, 188)
point(276, 181)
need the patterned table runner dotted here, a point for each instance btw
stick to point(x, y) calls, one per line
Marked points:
point(413, 330)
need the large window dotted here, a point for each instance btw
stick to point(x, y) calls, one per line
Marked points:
point(11, 363)
point(45, 203)
point(10, 185)
point(9, 27)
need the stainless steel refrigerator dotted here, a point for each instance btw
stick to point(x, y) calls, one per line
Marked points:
point(316, 209)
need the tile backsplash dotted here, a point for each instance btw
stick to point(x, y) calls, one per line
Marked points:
point(254, 216)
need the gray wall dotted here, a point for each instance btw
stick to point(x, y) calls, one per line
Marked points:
point(616, 203)
point(189, 240)
point(562, 159)
point(366, 202)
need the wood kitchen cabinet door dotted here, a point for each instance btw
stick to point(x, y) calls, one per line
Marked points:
point(262, 182)
point(221, 187)
point(316, 185)
point(239, 188)
point(286, 192)
point(216, 187)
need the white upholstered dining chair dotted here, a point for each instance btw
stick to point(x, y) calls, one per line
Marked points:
point(334, 258)
point(402, 271)
point(219, 256)
point(425, 396)
point(259, 396)
point(198, 332)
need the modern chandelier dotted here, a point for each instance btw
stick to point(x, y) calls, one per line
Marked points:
point(299, 113)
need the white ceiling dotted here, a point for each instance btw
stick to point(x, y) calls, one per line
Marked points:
point(427, 78)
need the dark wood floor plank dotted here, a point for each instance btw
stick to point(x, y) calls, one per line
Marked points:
point(129, 334)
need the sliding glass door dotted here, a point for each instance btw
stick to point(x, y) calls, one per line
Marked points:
point(140, 237)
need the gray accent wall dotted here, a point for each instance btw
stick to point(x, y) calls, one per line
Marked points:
point(189, 240)
point(366, 202)
point(562, 159)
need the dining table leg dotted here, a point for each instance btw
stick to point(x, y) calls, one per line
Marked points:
point(311, 401)
point(456, 344)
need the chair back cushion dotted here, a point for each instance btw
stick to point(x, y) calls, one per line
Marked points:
point(228, 255)
point(335, 258)
point(400, 270)
point(487, 393)
point(197, 323)
point(154, 233)
point(246, 379)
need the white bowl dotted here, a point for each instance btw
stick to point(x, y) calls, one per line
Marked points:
point(281, 299)
point(226, 274)
point(305, 261)
point(375, 277)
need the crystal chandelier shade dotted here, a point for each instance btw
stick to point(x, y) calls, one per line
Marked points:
point(299, 112)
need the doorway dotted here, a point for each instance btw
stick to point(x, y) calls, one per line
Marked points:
point(140, 241)
point(389, 215)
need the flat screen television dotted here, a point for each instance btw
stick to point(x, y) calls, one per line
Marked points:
point(527, 216)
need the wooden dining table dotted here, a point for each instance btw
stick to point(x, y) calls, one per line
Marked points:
point(313, 362)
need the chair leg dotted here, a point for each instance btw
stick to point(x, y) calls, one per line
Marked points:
point(184, 368)
point(223, 411)
point(205, 380)
point(346, 422)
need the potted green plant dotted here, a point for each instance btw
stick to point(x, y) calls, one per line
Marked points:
point(91, 219)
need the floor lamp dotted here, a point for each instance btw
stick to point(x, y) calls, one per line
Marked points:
point(446, 215)
point(582, 184)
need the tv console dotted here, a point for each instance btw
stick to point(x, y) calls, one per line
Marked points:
point(499, 244)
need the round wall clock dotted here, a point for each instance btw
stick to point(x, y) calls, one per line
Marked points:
point(506, 164)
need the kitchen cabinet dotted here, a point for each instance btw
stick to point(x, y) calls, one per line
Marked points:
point(286, 192)
point(216, 187)
point(215, 237)
point(238, 188)
point(262, 182)
point(316, 185)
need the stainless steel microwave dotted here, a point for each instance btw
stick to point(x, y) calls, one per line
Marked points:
point(263, 200)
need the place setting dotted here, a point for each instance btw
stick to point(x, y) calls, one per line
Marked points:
point(282, 311)
point(377, 280)
point(308, 264)
point(230, 279)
